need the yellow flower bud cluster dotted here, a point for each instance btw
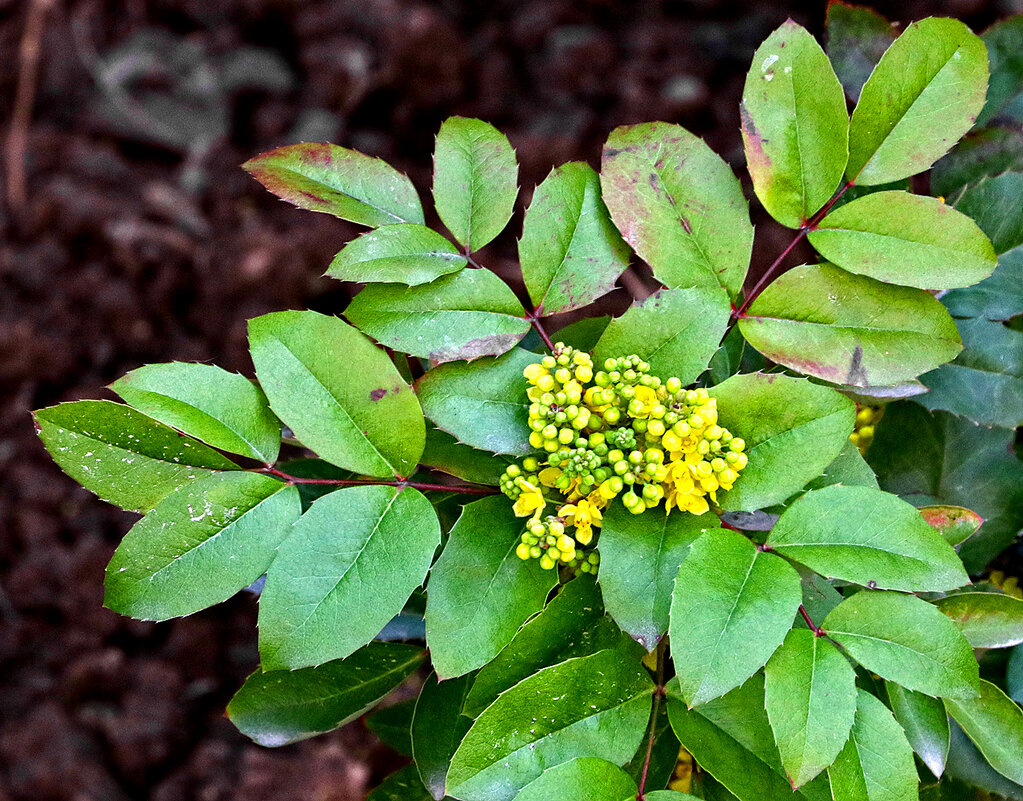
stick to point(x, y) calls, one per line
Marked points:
point(863, 433)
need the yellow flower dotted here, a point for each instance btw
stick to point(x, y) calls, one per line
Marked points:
point(531, 501)
point(583, 515)
point(647, 397)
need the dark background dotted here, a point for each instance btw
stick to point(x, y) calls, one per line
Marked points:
point(140, 240)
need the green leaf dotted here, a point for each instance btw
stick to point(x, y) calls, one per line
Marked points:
point(849, 329)
point(995, 724)
point(482, 404)
point(402, 785)
point(954, 523)
point(727, 359)
point(981, 154)
point(905, 640)
point(985, 382)
point(868, 537)
point(404, 253)
point(332, 587)
point(641, 555)
point(925, 722)
point(200, 545)
point(570, 251)
point(335, 180)
point(924, 94)
point(664, 753)
point(877, 762)
point(793, 430)
point(595, 706)
point(445, 453)
point(994, 204)
point(1014, 675)
point(676, 330)
point(967, 764)
point(857, 38)
point(338, 392)
point(668, 795)
point(438, 726)
point(811, 700)
point(281, 707)
point(819, 595)
point(122, 455)
point(731, 608)
point(932, 458)
point(572, 624)
point(474, 180)
point(469, 314)
point(583, 334)
point(1006, 85)
point(795, 126)
point(393, 725)
point(994, 298)
point(986, 619)
point(480, 592)
point(222, 409)
point(678, 204)
point(905, 239)
point(849, 468)
point(581, 779)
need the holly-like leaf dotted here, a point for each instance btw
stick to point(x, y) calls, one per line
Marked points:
point(482, 404)
point(849, 329)
point(640, 557)
point(404, 253)
point(676, 330)
point(335, 180)
point(438, 726)
point(794, 125)
point(200, 545)
point(664, 753)
point(727, 359)
point(905, 239)
point(925, 722)
point(905, 640)
point(995, 724)
point(480, 592)
point(475, 179)
point(994, 298)
point(1006, 85)
point(570, 251)
point(593, 706)
point(983, 153)
point(923, 95)
point(994, 204)
point(445, 453)
point(868, 537)
point(281, 707)
point(678, 204)
point(793, 430)
point(985, 382)
point(849, 468)
point(469, 314)
point(581, 778)
point(222, 409)
point(810, 695)
point(393, 725)
point(857, 38)
point(986, 619)
point(954, 523)
point(731, 608)
point(583, 334)
point(126, 457)
point(338, 392)
point(877, 762)
point(332, 587)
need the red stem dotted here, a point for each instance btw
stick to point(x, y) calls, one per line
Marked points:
point(364, 482)
point(535, 321)
point(658, 695)
point(817, 630)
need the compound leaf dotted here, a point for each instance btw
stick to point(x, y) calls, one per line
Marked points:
point(403, 253)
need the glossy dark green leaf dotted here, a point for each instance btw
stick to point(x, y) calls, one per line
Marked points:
point(1006, 85)
point(849, 329)
point(570, 251)
point(469, 314)
point(994, 203)
point(338, 392)
point(596, 706)
point(727, 359)
point(877, 762)
point(982, 153)
point(200, 545)
point(954, 523)
point(731, 608)
point(348, 567)
point(393, 725)
point(986, 619)
point(125, 457)
point(445, 453)
point(402, 785)
point(794, 125)
point(222, 409)
point(849, 468)
point(810, 696)
point(332, 179)
point(438, 727)
point(924, 94)
point(967, 765)
point(1014, 675)
point(480, 592)
point(925, 722)
point(583, 334)
point(664, 754)
point(640, 557)
point(868, 537)
point(482, 404)
point(857, 38)
point(281, 707)
point(995, 724)
point(793, 430)
point(819, 595)
point(994, 298)
point(678, 204)
point(905, 640)
point(581, 779)
point(676, 330)
point(404, 253)
point(475, 179)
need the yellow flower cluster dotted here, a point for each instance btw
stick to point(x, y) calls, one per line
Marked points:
point(863, 433)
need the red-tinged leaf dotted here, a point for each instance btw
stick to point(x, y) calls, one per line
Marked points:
point(955, 523)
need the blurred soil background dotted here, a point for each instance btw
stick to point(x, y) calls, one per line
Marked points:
point(140, 240)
